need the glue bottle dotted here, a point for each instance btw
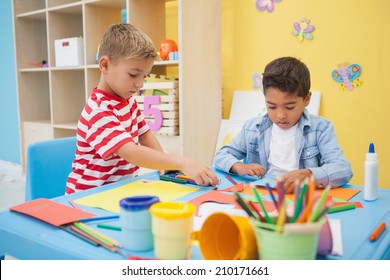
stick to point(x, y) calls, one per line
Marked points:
point(371, 174)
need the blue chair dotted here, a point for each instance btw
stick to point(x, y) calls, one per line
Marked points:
point(48, 166)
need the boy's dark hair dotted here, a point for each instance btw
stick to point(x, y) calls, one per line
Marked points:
point(287, 74)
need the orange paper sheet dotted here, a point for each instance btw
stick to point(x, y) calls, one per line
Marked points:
point(235, 188)
point(51, 212)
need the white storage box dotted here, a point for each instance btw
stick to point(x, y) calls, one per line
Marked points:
point(69, 51)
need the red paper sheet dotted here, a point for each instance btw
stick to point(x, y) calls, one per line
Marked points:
point(51, 212)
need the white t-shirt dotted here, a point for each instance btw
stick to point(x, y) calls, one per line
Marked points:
point(282, 156)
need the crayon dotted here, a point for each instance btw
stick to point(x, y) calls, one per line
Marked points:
point(378, 231)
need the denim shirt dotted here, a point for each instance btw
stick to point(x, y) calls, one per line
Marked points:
point(315, 143)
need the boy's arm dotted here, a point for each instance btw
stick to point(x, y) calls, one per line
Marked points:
point(158, 160)
point(334, 169)
point(149, 140)
point(233, 152)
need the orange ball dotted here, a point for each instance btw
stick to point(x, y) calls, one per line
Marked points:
point(166, 47)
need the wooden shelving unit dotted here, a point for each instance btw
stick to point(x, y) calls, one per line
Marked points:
point(51, 99)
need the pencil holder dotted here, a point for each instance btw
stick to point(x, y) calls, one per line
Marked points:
point(226, 237)
point(292, 242)
point(172, 228)
point(135, 222)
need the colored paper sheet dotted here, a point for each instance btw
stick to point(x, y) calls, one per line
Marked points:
point(268, 178)
point(212, 196)
point(343, 193)
point(109, 200)
point(223, 177)
point(268, 205)
point(51, 212)
point(260, 189)
point(235, 188)
point(222, 198)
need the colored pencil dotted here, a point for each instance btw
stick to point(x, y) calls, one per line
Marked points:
point(109, 227)
point(317, 209)
point(258, 197)
point(298, 203)
point(99, 218)
point(311, 189)
point(281, 194)
point(267, 186)
point(73, 204)
point(96, 234)
point(323, 212)
point(281, 218)
point(231, 180)
point(243, 205)
point(306, 212)
point(89, 240)
point(253, 207)
point(80, 231)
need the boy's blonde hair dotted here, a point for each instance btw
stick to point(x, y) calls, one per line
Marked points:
point(125, 41)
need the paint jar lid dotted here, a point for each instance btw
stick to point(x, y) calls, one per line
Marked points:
point(172, 210)
point(138, 203)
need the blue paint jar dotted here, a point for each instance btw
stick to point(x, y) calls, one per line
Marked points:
point(135, 222)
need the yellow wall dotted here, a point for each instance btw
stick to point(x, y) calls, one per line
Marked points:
point(345, 31)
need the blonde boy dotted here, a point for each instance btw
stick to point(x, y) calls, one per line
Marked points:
point(113, 139)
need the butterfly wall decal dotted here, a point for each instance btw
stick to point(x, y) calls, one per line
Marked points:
point(303, 29)
point(268, 5)
point(257, 81)
point(348, 76)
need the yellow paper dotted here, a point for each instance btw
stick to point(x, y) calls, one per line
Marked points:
point(109, 200)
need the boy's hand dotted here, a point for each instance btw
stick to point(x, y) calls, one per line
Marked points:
point(251, 169)
point(201, 174)
point(291, 177)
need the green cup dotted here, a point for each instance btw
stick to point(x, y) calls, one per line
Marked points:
point(292, 242)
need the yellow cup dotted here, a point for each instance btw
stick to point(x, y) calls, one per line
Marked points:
point(172, 228)
point(225, 237)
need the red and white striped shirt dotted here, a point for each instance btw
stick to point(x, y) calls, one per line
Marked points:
point(106, 123)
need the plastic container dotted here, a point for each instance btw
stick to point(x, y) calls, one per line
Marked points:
point(296, 242)
point(225, 237)
point(135, 222)
point(370, 192)
point(172, 228)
